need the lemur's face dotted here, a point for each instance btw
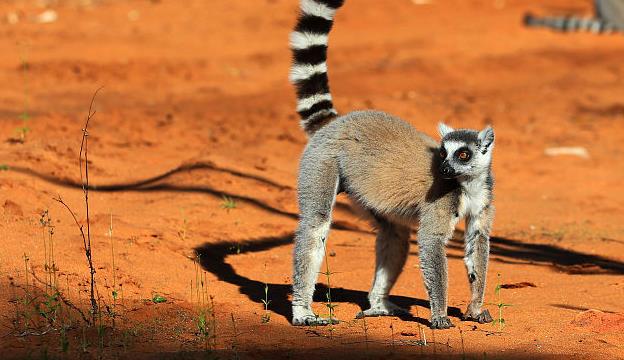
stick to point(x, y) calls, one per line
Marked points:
point(465, 153)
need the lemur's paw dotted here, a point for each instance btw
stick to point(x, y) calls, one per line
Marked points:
point(442, 322)
point(304, 316)
point(382, 307)
point(312, 320)
point(372, 312)
point(482, 318)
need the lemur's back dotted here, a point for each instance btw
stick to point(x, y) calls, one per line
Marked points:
point(385, 163)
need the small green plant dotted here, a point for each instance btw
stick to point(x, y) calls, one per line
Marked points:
point(38, 311)
point(266, 317)
point(422, 337)
point(64, 340)
point(183, 230)
point(158, 299)
point(24, 116)
point(101, 328)
point(49, 307)
point(205, 321)
point(46, 310)
point(48, 247)
point(500, 304)
point(111, 311)
point(4, 167)
point(28, 297)
point(23, 130)
point(84, 180)
point(228, 203)
point(329, 304)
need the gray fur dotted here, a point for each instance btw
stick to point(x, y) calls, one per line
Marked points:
point(609, 18)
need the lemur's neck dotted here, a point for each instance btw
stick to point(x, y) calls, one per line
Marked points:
point(476, 193)
point(476, 183)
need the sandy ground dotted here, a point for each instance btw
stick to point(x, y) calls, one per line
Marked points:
point(196, 106)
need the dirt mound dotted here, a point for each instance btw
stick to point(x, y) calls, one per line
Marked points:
point(599, 321)
point(12, 208)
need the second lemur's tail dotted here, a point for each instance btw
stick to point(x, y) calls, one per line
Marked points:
point(572, 23)
point(308, 73)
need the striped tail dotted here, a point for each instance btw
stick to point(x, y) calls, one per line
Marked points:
point(308, 73)
point(572, 23)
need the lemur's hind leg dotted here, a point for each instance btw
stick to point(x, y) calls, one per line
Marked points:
point(391, 249)
point(318, 183)
point(433, 234)
point(477, 252)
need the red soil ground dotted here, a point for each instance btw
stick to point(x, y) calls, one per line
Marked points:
point(197, 91)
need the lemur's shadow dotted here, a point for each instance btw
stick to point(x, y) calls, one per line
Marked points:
point(213, 259)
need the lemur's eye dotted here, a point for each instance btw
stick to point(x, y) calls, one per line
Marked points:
point(463, 155)
point(443, 153)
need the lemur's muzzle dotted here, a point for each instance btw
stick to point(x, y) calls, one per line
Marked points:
point(447, 171)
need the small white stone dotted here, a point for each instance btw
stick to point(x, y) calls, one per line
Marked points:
point(570, 150)
point(47, 17)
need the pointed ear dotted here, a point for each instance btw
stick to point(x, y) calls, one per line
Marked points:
point(486, 139)
point(444, 129)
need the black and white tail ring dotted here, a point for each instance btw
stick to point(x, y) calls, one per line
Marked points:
point(573, 23)
point(308, 73)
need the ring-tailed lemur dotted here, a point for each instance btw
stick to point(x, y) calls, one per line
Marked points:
point(398, 174)
point(609, 18)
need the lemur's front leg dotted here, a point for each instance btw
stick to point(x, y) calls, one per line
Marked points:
point(433, 234)
point(477, 252)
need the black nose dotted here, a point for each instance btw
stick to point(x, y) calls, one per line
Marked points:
point(446, 170)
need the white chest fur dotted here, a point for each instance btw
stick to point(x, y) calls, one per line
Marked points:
point(474, 197)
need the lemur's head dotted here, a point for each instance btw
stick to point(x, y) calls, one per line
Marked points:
point(465, 153)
